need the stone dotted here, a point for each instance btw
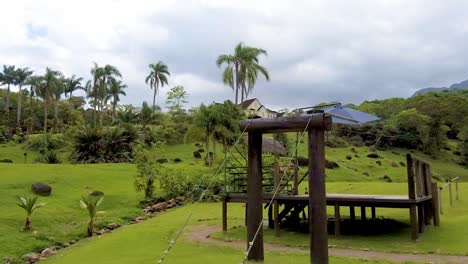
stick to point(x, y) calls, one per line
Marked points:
point(177, 160)
point(8, 260)
point(102, 231)
point(162, 161)
point(402, 164)
point(47, 252)
point(159, 207)
point(113, 226)
point(196, 155)
point(31, 257)
point(386, 178)
point(348, 157)
point(180, 200)
point(72, 242)
point(41, 189)
point(171, 203)
point(373, 156)
point(331, 164)
point(379, 163)
point(139, 219)
point(365, 173)
point(96, 193)
point(394, 164)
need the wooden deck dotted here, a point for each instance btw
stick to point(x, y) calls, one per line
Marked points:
point(389, 201)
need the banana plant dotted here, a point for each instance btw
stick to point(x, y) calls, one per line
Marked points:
point(29, 205)
point(91, 203)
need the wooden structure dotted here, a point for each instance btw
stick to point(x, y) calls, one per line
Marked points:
point(421, 200)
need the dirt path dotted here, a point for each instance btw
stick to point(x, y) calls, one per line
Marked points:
point(201, 234)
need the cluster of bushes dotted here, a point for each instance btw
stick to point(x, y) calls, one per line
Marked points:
point(205, 187)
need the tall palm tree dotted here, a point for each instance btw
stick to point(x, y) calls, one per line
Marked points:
point(22, 75)
point(46, 89)
point(8, 77)
point(157, 77)
point(72, 84)
point(57, 92)
point(241, 68)
point(115, 90)
point(34, 82)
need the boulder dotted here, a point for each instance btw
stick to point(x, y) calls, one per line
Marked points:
point(31, 257)
point(331, 164)
point(180, 200)
point(41, 189)
point(113, 226)
point(96, 193)
point(348, 157)
point(373, 156)
point(162, 161)
point(159, 207)
point(177, 160)
point(196, 155)
point(171, 203)
point(139, 219)
point(47, 252)
point(6, 161)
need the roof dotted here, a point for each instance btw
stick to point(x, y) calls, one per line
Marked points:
point(346, 115)
point(270, 145)
point(247, 102)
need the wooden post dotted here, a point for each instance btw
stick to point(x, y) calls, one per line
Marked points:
point(363, 213)
point(224, 215)
point(254, 197)
point(373, 212)
point(450, 193)
point(270, 217)
point(275, 203)
point(317, 198)
point(412, 196)
point(435, 204)
point(440, 200)
point(456, 190)
point(421, 218)
point(296, 179)
point(352, 213)
point(337, 219)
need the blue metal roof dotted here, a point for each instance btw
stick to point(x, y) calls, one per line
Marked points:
point(345, 115)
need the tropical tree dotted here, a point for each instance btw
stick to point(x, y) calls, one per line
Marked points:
point(8, 77)
point(72, 84)
point(29, 205)
point(34, 83)
point(147, 114)
point(57, 92)
point(157, 78)
point(50, 83)
point(22, 75)
point(115, 90)
point(242, 69)
point(91, 203)
point(176, 97)
point(148, 170)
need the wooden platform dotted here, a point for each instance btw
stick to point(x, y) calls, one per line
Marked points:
point(388, 201)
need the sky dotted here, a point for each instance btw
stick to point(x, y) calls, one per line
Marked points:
point(318, 51)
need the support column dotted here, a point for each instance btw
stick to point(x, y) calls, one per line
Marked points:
point(373, 212)
point(414, 222)
point(254, 196)
point(337, 220)
point(435, 204)
point(275, 203)
point(352, 213)
point(224, 215)
point(317, 198)
point(363, 213)
point(421, 217)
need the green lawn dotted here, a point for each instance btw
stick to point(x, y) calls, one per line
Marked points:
point(146, 242)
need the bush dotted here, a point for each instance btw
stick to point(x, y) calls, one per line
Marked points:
point(161, 161)
point(349, 157)
point(333, 141)
point(301, 161)
point(44, 143)
point(373, 156)
point(356, 141)
point(6, 161)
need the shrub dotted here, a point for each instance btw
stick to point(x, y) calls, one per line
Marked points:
point(331, 164)
point(6, 161)
point(196, 155)
point(91, 204)
point(96, 193)
point(51, 157)
point(373, 156)
point(302, 161)
point(356, 141)
point(348, 157)
point(335, 142)
point(148, 171)
point(161, 161)
point(46, 142)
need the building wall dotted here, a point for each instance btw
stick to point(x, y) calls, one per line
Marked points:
point(256, 108)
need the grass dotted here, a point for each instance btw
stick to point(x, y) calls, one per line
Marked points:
point(146, 242)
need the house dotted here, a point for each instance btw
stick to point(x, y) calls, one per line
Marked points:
point(254, 108)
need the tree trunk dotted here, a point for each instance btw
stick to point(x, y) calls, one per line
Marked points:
point(237, 83)
point(27, 225)
point(90, 228)
point(114, 104)
point(149, 188)
point(7, 104)
point(18, 115)
point(154, 97)
point(56, 115)
point(45, 116)
point(30, 125)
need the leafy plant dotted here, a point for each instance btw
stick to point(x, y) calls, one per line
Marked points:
point(29, 205)
point(91, 203)
point(148, 171)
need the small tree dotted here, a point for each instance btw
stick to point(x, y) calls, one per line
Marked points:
point(29, 205)
point(176, 97)
point(148, 170)
point(91, 203)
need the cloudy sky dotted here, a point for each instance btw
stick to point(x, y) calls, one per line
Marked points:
point(347, 51)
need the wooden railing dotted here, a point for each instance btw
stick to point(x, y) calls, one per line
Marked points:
point(449, 186)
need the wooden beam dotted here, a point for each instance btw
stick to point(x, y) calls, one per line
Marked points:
point(254, 197)
point(435, 204)
point(287, 124)
point(317, 198)
point(275, 203)
point(413, 222)
point(421, 218)
point(410, 174)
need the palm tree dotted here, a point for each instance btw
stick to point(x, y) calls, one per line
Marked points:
point(72, 84)
point(29, 205)
point(8, 77)
point(157, 77)
point(34, 82)
point(116, 89)
point(22, 76)
point(91, 204)
point(57, 92)
point(46, 89)
point(241, 67)
point(147, 115)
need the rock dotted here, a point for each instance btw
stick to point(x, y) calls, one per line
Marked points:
point(394, 164)
point(302, 161)
point(348, 157)
point(47, 252)
point(331, 164)
point(139, 219)
point(6, 161)
point(41, 189)
point(159, 207)
point(177, 160)
point(386, 178)
point(356, 155)
point(102, 231)
point(113, 226)
point(379, 163)
point(365, 173)
point(196, 155)
point(180, 200)
point(96, 193)
point(201, 150)
point(373, 156)
point(31, 257)
point(72, 242)
point(402, 164)
point(65, 245)
point(171, 203)
point(162, 161)
point(8, 260)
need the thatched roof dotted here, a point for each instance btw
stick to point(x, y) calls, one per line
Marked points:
point(269, 145)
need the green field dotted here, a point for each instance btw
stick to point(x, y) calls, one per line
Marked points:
point(62, 220)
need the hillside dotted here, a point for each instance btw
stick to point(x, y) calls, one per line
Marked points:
point(456, 86)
